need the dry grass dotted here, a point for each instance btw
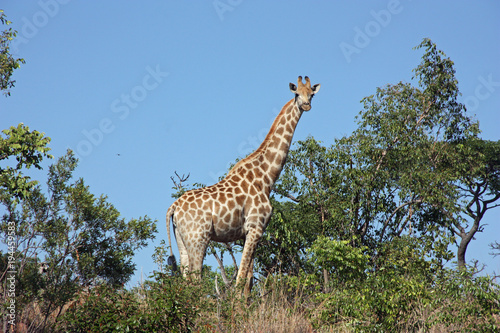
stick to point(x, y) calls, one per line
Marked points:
point(278, 308)
point(281, 310)
point(275, 313)
point(32, 318)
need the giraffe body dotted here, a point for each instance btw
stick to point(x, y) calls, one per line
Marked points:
point(238, 206)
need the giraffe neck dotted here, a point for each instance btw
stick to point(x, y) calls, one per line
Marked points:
point(267, 161)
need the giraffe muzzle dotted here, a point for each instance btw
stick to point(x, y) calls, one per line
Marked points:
point(306, 106)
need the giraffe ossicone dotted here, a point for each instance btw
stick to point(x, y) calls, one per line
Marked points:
point(238, 206)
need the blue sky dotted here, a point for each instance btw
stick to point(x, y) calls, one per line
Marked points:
point(142, 89)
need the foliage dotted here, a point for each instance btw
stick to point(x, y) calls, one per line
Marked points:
point(358, 241)
point(283, 246)
point(166, 304)
point(7, 62)
point(361, 230)
point(29, 148)
point(397, 174)
point(401, 291)
point(479, 189)
point(345, 262)
point(407, 293)
point(80, 239)
point(103, 309)
point(461, 298)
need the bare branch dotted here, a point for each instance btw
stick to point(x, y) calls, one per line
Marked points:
point(495, 198)
point(394, 213)
point(291, 197)
point(178, 183)
point(221, 266)
point(230, 249)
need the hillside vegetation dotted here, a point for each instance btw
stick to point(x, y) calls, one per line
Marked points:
point(368, 234)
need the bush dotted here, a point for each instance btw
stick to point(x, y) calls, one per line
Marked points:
point(463, 300)
point(398, 292)
point(168, 304)
point(403, 292)
point(104, 309)
point(174, 303)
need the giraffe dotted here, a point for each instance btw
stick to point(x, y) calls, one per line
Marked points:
point(238, 206)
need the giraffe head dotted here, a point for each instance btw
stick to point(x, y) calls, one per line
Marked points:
point(304, 93)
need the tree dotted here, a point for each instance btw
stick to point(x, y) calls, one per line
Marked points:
point(29, 148)
point(406, 140)
point(80, 238)
point(7, 62)
point(480, 190)
point(395, 175)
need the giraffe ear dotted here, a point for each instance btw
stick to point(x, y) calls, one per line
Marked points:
point(315, 88)
point(293, 88)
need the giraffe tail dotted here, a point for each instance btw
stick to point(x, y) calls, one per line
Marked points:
point(171, 259)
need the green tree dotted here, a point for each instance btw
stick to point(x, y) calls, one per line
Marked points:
point(7, 62)
point(405, 141)
point(479, 184)
point(395, 175)
point(81, 239)
point(28, 148)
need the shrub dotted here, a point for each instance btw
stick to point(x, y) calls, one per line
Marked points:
point(168, 304)
point(103, 309)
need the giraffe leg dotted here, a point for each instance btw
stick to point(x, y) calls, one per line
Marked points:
point(246, 265)
point(183, 253)
point(257, 223)
point(249, 281)
point(196, 253)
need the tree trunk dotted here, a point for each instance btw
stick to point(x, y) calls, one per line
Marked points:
point(466, 238)
point(326, 281)
point(462, 248)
